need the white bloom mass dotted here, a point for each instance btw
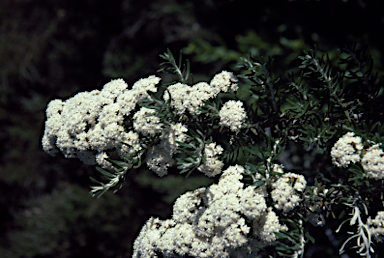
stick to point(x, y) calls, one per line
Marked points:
point(373, 162)
point(91, 123)
point(284, 193)
point(346, 150)
point(159, 157)
point(184, 97)
point(179, 96)
point(101, 160)
point(376, 226)
point(265, 226)
point(212, 166)
point(159, 160)
point(175, 133)
point(223, 81)
point(200, 92)
point(210, 222)
point(232, 115)
point(146, 84)
point(145, 122)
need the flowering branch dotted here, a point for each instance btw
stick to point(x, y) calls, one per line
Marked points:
point(245, 134)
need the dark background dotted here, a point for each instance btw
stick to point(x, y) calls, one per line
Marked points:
point(53, 49)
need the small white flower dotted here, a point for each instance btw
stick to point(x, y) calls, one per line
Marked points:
point(232, 115)
point(145, 122)
point(212, 166)
point(102, 162)
point(159, 160)
point(284, 191)
point(264, 227)
point(113, 89)
point(184, 97)
point(55, 107)
point(376, 226)
point(224, 80)
point(346, 150)
point(373, 162)
point(175, 133)
point(146, 84)
point(179, 96)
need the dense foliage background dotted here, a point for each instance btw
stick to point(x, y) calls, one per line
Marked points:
point(53, 49)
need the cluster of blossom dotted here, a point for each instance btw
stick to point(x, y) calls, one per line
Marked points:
point(376, 226)
point(184, 97)
point(267, 225)
point(212, 166)
point(145, 122)
point(159, 157)
point(349, 149)
point(346, 150)
point(285, 190)
point(232, 115)
point(373, 162)
point(89, 124)
point(210, 222)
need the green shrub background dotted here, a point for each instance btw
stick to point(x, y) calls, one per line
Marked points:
point(53, 49)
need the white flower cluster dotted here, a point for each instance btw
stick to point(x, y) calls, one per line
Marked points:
point(373, 162)
point(210, 222)
point(159, 160)
point(271, 178)
point(232, 115)
point(212, 166)
point(145, 122)
point(224, 80)
point(159, 157)
point(184, 97)
point(265, 226)
point(376, 226)
point(175, 133)
point(284, 191)
point(349, 149)
point(91, 123)
point(346, 150)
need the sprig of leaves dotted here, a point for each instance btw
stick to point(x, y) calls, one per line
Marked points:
point(192, 152)
point(116, 176)
point(171, 66)
point(259, 72)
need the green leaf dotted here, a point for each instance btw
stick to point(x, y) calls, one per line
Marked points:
point(105, 173)
point(95, 181)
point(258, 183)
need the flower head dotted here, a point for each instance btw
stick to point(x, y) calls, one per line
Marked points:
point(285, 188)
point(346, 150)
point(376, 226)
point(208, 222)
point(373, 162)
point(232, 115)
point(212, 166)
point(91, 123)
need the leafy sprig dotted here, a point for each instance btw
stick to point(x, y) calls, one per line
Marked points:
point(171, 66)
point(192, 152)
point(116, 176)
